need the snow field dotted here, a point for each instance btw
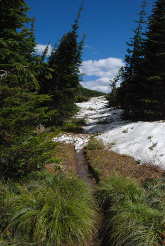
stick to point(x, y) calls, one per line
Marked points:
point(145, 141)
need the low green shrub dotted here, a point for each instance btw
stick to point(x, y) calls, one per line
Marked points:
point(24, 155)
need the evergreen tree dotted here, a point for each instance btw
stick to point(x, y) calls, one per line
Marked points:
point(16, 41)
point(65, 61)
point(142, 92)
point(22, 109)
point(113, 96)
point(155, 63)
point(132, 91)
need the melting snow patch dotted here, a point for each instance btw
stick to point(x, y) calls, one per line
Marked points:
point(99, 118)
point(145, 141)
point(79, 141)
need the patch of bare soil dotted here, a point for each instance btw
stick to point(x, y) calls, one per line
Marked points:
point(82, 168)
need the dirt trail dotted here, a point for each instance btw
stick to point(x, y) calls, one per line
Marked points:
point(82, 168)
point(92, 112)
point(84, 174)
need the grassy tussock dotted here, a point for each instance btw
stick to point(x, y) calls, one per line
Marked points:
point(130, 217)
point(52, 210)
point(133, 214)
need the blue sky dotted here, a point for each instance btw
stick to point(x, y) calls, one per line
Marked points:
point(107, 24)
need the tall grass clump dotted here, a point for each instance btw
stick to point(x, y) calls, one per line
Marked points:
point(7, 194)
point(155, 193)
point(11, 243)
point(129, 219)
point(52, 210)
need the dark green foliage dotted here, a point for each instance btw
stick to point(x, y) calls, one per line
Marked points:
point(113, 97)
point(22, 108)
point(142, 91)
point(24, 155)
point(63, 84)
point(21, 150)
point(16, 41)
point(131, 92)
point(155, 62)
point(50, 210)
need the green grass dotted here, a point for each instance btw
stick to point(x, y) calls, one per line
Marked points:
point(51, 210)
point(129, 217)
point(85, 94)
point(94, 144)
point(74, 125)
point(155, 193)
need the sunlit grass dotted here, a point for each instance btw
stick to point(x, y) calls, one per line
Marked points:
point(52, 210)
point(130, 220)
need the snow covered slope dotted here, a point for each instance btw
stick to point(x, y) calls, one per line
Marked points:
point(99, 118)
point(145, 141)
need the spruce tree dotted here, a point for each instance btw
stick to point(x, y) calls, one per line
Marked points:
point(155, 63)
point(16, 46)
point(22, 109)
point(65, 61)
point(132, 91)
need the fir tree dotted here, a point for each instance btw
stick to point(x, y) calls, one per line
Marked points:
point(22, 109)
point(155, 63)
point(132, 90)
point(16, 46)
point(65, 61)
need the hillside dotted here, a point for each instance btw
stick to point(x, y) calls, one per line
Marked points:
point(85, 94)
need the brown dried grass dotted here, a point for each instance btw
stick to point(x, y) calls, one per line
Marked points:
point(108, 163)
point(65, 153)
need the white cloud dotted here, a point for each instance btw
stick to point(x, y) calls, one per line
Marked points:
point(41, 47)
point(103, 70)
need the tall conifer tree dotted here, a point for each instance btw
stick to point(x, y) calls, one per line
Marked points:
point(155, 63)
point(65, 61)
point(21, 106)
point(16, 46)
point(131, 90)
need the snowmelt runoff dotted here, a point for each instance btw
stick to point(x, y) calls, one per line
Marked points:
point(145, 141)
